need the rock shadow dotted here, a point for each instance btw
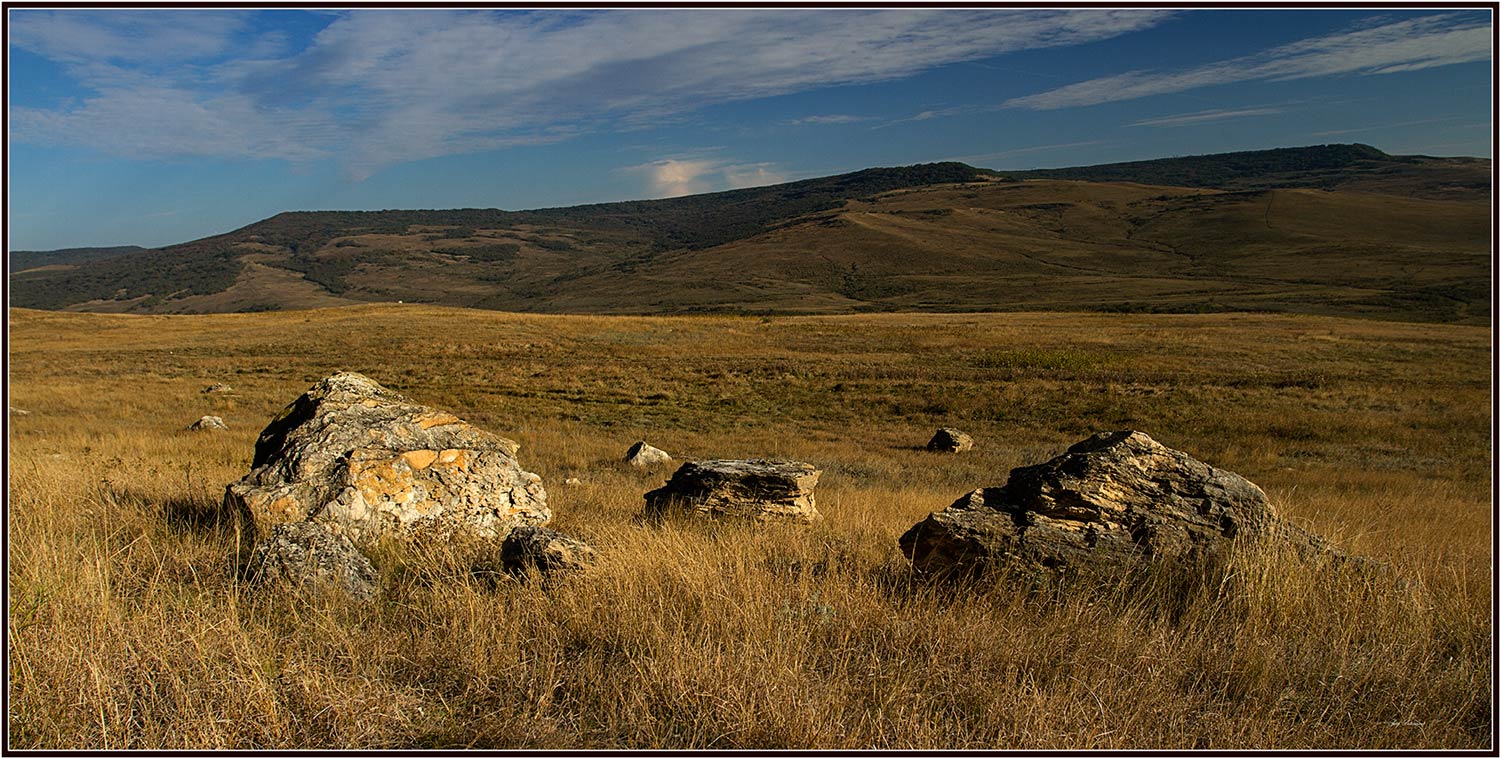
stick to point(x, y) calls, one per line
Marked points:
point(197, 515)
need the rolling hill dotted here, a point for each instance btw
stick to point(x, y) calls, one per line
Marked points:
point(1334, 229)
point(24, 260)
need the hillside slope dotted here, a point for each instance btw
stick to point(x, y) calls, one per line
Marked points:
point(1053, 245)
point(324, 246)
point(942, 237)
point(22, 260)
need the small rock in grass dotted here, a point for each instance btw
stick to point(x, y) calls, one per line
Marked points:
point(949, 440)
point(642, 455)
point(546, 550)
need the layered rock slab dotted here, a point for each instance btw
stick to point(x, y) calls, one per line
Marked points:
point(1109, 500)
point(371, 463)
point(754, 490)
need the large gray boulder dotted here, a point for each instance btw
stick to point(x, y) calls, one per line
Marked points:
point(756, 490)
point(1109, 500)
point(311, 556)
point(371, 463)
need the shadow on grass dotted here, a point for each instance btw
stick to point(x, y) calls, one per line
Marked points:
point(196, 514)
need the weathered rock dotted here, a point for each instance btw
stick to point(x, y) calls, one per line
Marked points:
point(758, 490)
point(573, 481)
point(642, 455)
point(19, 412)
point(547, 551)
point(1111, 499)
point(949, 440)
point(371, 463)
point(308, 555)
point(217, 388)
point(208, 423)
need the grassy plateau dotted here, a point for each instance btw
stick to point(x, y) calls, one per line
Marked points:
point(127, 627)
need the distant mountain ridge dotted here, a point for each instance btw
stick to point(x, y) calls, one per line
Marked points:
point(692, 222)
point(1185, 233)
point(21, 260)
point(1352, 166)
point(210, 265)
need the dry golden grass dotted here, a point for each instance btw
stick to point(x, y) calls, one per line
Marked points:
point(127, 628)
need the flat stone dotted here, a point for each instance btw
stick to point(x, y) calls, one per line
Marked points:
point(757, 490)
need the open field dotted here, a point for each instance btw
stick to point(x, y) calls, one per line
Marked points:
point(127, 628)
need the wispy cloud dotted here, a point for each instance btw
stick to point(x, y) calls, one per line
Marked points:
point(1204, 117)
point(834, 118)
point(933, 113)
point(130, 36)
point(1397, 125)
point(378, 87)
point(1410, 45)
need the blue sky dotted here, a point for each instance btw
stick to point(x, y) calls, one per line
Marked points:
point(152, 127)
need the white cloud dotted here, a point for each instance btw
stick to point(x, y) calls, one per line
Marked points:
point(1410, 45)
point(377, 87)
point(1204, 117)
point(675, 177)
point(752, 175)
